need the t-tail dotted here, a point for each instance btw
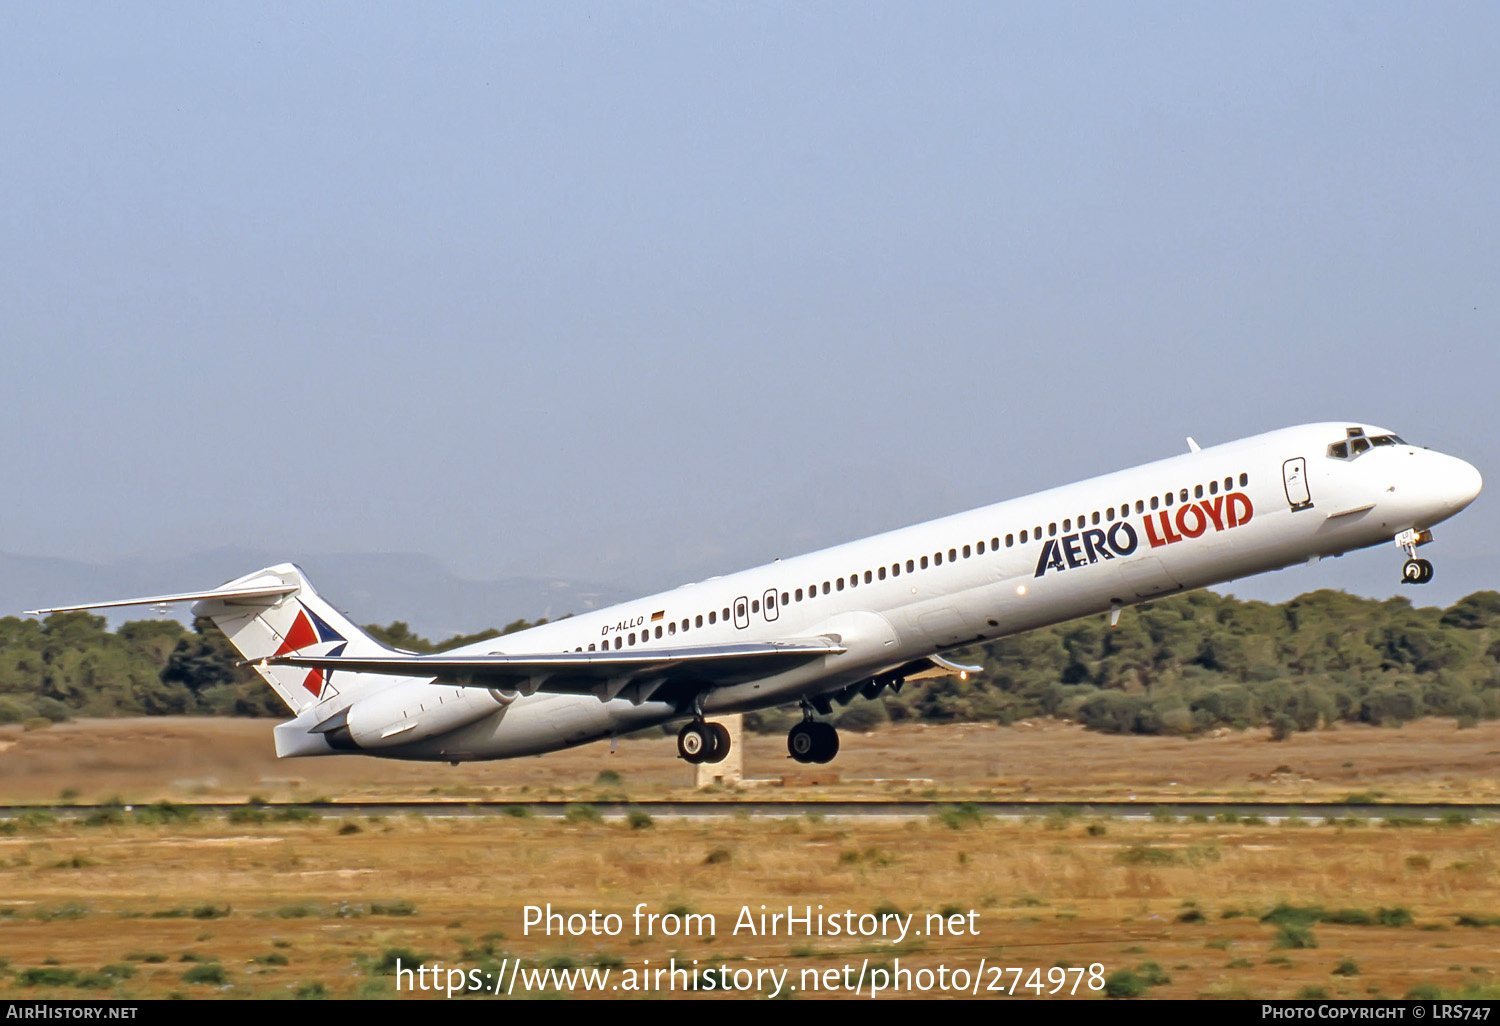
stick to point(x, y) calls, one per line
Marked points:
point(273, 612)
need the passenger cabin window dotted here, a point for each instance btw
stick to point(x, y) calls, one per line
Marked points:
point(1109, 514)
point(870, 577)
point(881, 573)
point(1140, 506)
point(1244, 480)
point(1213, 488)
point(924, 562)
point(967, 551)
point(711, 616)
point(1197, 491)
point(1010, 540)
point(1155, 501)
point(698, 620)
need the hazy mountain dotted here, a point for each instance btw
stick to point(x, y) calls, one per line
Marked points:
point(368, 587)
point(437, 603)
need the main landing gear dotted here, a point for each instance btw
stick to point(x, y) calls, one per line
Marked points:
point(701, 741)
point(812, 741)
point(1414, 571)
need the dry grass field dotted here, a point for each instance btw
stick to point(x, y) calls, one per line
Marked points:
point(280, 909)
point(164, 904)
point(225, 759)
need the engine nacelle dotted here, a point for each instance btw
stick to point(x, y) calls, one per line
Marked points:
point(414, 712)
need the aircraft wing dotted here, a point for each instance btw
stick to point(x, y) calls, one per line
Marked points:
point(604, 674)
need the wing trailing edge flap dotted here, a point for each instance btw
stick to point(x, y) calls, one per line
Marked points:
point(606, 675)
point(935, 666)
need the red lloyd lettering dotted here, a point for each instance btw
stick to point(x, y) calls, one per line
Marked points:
point(1193, 519)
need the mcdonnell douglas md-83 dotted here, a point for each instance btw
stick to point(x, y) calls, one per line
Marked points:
point(843, 622)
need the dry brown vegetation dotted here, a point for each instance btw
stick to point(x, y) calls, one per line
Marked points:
point(271, 909)
point(182, 757)
point(281, 907)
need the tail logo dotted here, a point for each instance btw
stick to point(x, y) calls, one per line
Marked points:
point(308, 630)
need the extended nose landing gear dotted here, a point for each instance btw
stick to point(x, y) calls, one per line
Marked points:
point(1414, 571)
point(812, 741)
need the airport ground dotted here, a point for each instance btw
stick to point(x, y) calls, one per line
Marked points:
point(270, 904)
point(180, 758)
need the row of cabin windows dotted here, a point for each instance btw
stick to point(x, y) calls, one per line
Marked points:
point(1141, 505)
point(922, 563)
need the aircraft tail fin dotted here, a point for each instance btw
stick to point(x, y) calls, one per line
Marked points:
point(299, 621)
point(273, 612)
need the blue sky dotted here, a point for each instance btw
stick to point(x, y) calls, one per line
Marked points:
point(637, 292)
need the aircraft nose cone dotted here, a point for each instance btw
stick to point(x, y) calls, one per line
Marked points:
point(1441, 486)
point(1464, 484)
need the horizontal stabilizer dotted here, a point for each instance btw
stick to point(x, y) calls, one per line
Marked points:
point(268, 592)
point(579, 673)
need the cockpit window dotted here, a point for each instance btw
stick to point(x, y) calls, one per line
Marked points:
point(1357, 443)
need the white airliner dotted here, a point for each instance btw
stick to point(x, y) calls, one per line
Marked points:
point(843, 622)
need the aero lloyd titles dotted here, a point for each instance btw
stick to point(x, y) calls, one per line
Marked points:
point(1161, 527)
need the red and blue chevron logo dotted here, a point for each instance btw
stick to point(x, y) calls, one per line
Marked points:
point(310, 629)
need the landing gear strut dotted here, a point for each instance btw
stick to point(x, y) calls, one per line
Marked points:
point(1414, 571)
point(812, 741)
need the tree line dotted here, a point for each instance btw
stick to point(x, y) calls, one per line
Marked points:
point(1180, 665)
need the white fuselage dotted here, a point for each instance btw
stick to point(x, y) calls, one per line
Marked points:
point(1197, 519)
